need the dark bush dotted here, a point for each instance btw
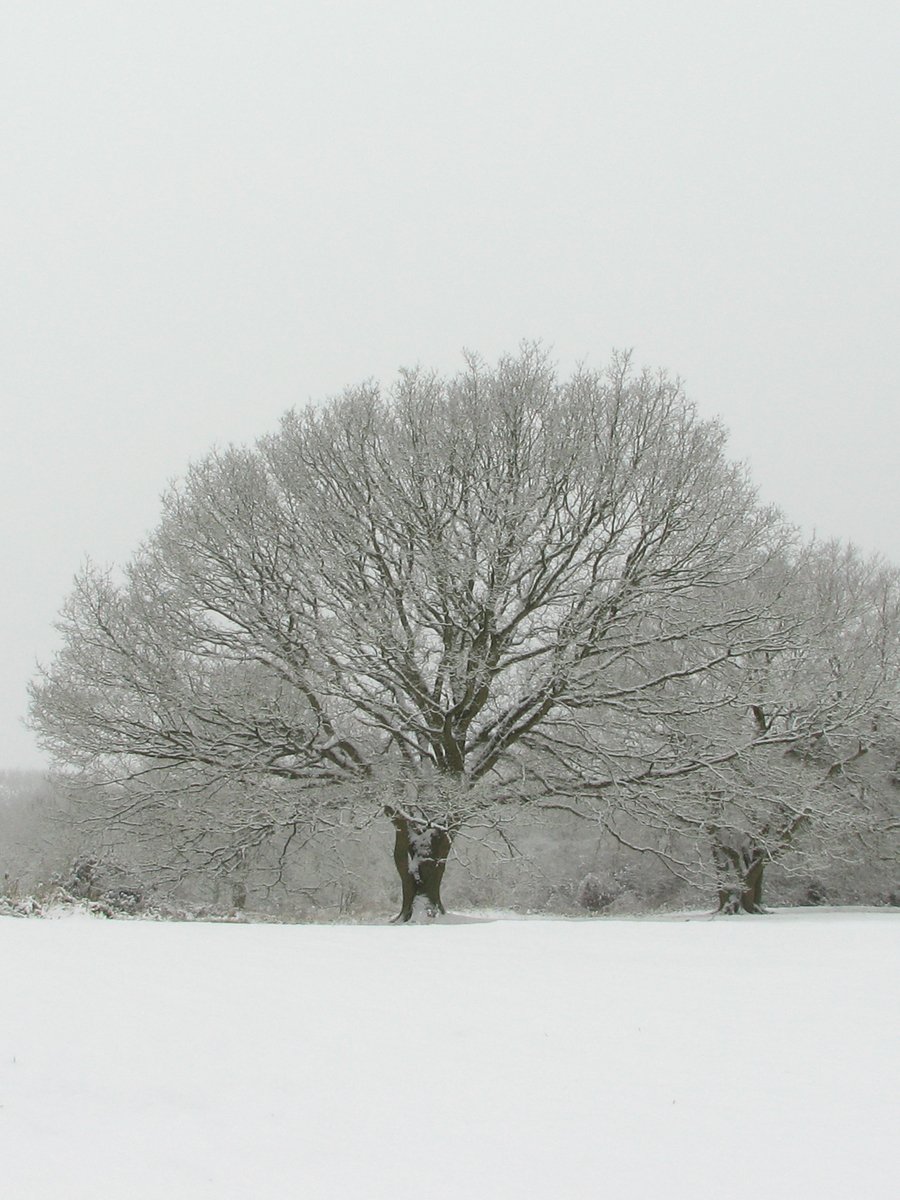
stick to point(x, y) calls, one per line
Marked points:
point(592, 895)
point(815, 893)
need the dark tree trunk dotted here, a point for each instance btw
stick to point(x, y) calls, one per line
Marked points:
point(420, 855)
point(745, 897)
point(742, 892)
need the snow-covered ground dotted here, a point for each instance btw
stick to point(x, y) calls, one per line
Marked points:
point(696, 1058)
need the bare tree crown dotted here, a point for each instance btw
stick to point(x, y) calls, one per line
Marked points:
point(499, 585)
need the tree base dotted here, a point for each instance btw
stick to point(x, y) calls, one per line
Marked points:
point(733, 904)
point(421, 912)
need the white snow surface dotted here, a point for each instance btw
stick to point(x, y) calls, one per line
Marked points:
point(741, 1057)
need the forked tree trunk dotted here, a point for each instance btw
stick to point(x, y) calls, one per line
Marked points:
point(745, 896)
point(420, 855)
point(741, 890)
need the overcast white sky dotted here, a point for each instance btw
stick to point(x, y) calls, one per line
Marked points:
point(214, 210)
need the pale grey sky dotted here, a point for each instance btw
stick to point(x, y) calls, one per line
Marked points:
point(214, 210)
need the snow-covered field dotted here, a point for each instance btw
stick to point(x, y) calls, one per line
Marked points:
point(649, 1058)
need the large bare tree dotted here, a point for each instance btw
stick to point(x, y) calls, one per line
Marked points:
point(431, 601)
